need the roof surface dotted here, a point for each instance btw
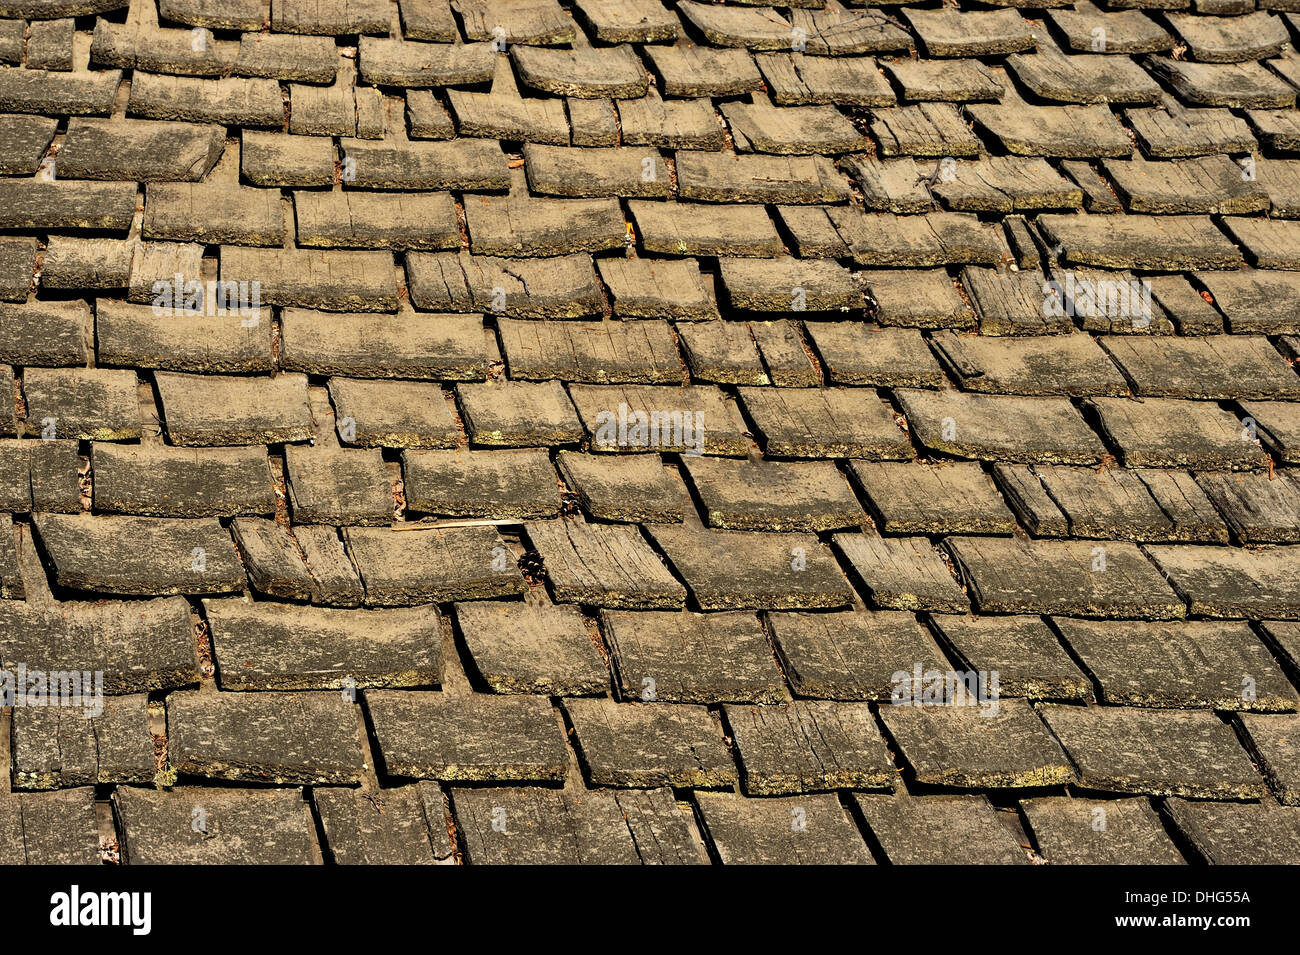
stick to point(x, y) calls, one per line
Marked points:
point(626, 431)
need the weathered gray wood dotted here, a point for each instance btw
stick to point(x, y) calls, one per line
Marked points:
point(1239, 833)
point(903, 573)
point(605, 565)
point(534, 826)
point(137, 645)
point(936, 498)
point(1070, 131)
point(55, 828)
point(692, 658)
point(690, 70)
point(1000, 428)
point(1022, 650)
point(1007, 575)
point(728, 570)
point(266, 645)
point(159, 481)
point(1223, 84)
point(802, 79)
point(825, 423)
point(1232, 581)
point(597, 352)
point(946, 32)
point(236, 826)
point(140, 555)
point(534, 648)
point(972, 833)
point(925, 298)
point(219, 410)
point(1260, 508)
point(1004, 746)
point(90, 404)
point(1083, 77)
point(791, 130)
point(1130, 832)
point(1170, 432)
point(1186, 665)
point(927, 129)
point(854, 655)
point(1157, 243)
point(1273, 742)
point(1106, 503)
point(65, 745)
point(808, 746)
point(471, 738)
point(631, 488)
point(715, 425)
point(279, 738)
point(519, 484)
point(774, 496)
point(401, 414)
point(1206, 184)
point(856, 353)
point(1155, 753)
point(800, 830)
point(384, 828)
point(644, 745)
point(427, 565)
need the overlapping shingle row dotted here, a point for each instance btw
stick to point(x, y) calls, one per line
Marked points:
point(638, 431)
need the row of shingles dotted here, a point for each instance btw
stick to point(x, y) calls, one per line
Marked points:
point(765, 823)
point(410, 825)
point(741, 44)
